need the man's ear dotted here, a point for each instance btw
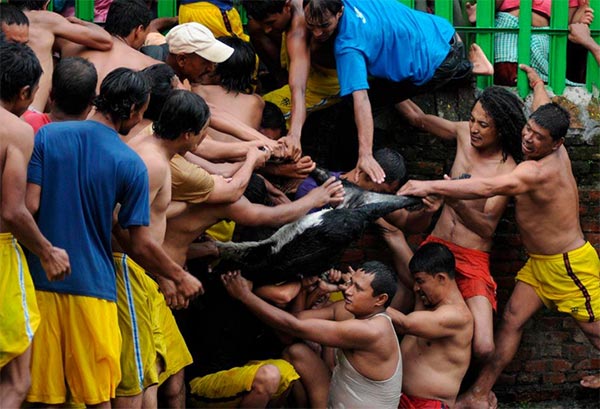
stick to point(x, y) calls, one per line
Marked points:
point(558, 143)
point(441, 278)
point(25, 92)
point(381, 299)
point(180, 59)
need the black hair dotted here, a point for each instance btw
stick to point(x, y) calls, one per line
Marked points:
point(121, 91)
point(236, 72)
point(554, 118)
point(273, 118)
point(9, 15)
point(183, 111)
point(506, 110)
point(260, 10)
point(315, 10)
point(161, 78)
point(73, 85)
point(19, 67)
point(384, 280)
point(256, 191)
point(29, 4)
point(392, 164)
point(432, 258)
point(124, 16)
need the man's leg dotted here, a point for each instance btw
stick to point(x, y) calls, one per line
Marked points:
point(172, 391)
point(264, 386)
point(523, 303)
point(15, 379)
point(314, 374)
point(483, 334)
point(592, 331)
point(127, 402)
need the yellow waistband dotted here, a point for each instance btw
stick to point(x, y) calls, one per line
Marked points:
point(6, 238)
point(573, 253)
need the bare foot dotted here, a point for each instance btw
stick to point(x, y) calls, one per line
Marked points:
point(481, 65)
point(469, 400)
point(471, 12)
point(590, 381)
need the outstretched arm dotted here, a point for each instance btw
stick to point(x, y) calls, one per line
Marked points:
point(579, 33)
point(346, 334)
point(440, 323)
point(440, 127)
point(364, 123)
point(79, 31)
point(540, 96)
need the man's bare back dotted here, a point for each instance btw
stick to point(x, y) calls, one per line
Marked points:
point(245, 107)
point(121, 55)
point(44, 28)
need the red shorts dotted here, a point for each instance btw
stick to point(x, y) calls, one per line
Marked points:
point(473, 275)
point(411, 402)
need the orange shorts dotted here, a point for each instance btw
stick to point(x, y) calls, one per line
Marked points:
point(412, 402)
point(473, 275)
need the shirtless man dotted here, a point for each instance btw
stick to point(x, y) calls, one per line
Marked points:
point(312, 78)
point(547, 213)
point(19, 75)
point(45, 27)
point(180, 128)
point(127, 23)
point(487, 145)
point(436, 347)
point(369, 369)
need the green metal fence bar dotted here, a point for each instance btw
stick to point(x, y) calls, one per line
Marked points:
point(524, 50)
point(166, 8)
point(408, 3)
point(593, 70)
point(443, 8)
point(557, 67)
point(485, 19)
point(84, 9)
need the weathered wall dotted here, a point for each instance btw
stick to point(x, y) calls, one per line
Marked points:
point(554, 353)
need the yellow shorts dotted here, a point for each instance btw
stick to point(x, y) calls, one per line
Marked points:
point(322, 91)
point(169, 343)
point(567, 282)
point(78, 342)
point(228, 23)
point(225, 389)
point(221, 231)
point(19, 314)
point(138, 352)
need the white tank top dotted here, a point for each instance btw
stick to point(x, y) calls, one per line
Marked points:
point(350, 389)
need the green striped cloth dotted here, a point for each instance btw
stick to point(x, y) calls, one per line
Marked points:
point(506, 46)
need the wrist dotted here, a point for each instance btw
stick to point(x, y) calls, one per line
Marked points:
point(536, 83)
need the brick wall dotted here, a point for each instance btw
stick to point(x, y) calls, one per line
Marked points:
point(554, 353)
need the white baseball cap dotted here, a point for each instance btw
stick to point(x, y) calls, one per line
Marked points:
point(191, 38)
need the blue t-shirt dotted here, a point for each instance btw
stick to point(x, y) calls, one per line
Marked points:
point(84, 170)
point(386, 39)
point(309, 184)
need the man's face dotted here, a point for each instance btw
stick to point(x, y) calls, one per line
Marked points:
point(427, 288)
point(16, 33)
point(359, 297)
point(324, 28)
point(482, 128)
point(536, 142)
point(195, 67)
point(277, 22)
point(135, 118)
point(196, 139)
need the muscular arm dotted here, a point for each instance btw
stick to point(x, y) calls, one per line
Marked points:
point(441, 323)
point(364, 123)
point(481, 222)
point(249, 214)
point(522, 179)
point(79, 31)
point(298, 51)
point(357, 334)
point(440, 127)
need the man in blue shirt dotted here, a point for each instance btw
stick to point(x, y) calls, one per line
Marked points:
point(408, 52)
point(78, 173)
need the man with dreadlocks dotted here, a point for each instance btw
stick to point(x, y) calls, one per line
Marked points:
point(486, 146)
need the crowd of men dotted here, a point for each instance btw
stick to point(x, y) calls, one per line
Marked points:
point(126, 153)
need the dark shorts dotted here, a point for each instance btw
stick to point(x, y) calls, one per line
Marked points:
point(455, 69)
